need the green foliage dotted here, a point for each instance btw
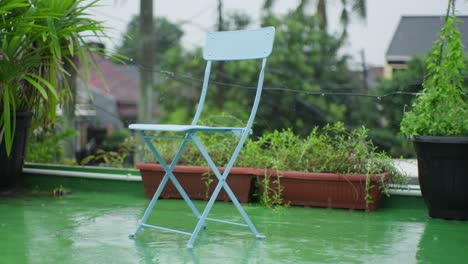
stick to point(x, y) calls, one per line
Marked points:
point(236, 20)
point(114, 140)
point(177, 96)
point(114, 157)
point(270, 191)
point(208, 179)
point(298, 62)
point(115, 150)
point(219, 146)
point(349, 8)
point(329, 149)
point(38, 39)
point(442, 108)
point(45, 145)
point(384, 116)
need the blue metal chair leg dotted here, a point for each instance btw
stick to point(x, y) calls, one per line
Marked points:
point(221, 184)
point(151, 205)
point(168, 175)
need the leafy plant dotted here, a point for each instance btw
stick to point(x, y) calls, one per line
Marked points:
point(329, 149)
point(114, 140)
point(442, 108)
point(45, 145)
point(384, 115)
point(270, 190)
point(208, 180)
point(40, 44)
point(115, 158)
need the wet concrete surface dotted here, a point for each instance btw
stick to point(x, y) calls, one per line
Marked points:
point(89, 226)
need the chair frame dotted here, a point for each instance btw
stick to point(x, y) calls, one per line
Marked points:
point(215, 50)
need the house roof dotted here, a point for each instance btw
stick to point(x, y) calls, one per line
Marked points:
point(415, 35)
point(119, 81)
point(119, 85)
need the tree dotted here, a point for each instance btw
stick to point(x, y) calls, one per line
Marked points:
point(299, 61)
point(295, 63)
point(384, 115)
point(167, 36)
point(349, 7)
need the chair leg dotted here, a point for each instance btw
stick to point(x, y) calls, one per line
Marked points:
point(151, 205)
point(240, 209)
point(168, 175)
point(221, 184)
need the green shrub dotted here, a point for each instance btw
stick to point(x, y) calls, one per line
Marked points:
point(118, 152)
point(113, 140)
point(45, 145)
point(330, 149)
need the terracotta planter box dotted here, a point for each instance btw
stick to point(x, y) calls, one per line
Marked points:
point(191, 178)
point(325, 189)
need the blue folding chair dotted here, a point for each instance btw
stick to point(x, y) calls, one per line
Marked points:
point(220, 46)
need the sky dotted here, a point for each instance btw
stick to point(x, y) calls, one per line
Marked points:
point(197, 17)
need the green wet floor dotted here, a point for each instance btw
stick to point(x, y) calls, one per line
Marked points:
point(92, 226)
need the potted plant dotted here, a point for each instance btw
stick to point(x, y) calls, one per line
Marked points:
point(438, 126)
point(40, 44)
point(331, 168)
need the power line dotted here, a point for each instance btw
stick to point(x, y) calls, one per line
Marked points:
point(181, 78)
point(178, 76)
point(190, 79)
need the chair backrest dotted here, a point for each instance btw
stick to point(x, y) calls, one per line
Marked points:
point(237, 45)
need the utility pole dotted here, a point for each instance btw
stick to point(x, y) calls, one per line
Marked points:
point(220, 72)
point(364, 71)
point(146, 36)
point(146, 58)
point(68, 111)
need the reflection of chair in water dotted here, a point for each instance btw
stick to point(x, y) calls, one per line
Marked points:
point(151, 254)
point(220, 46)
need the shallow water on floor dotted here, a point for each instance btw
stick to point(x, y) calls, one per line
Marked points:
point(93, 227)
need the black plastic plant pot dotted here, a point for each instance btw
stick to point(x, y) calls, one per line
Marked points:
point(443, 175)
point(11, 167)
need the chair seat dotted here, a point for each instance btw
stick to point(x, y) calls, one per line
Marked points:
point(186, 128)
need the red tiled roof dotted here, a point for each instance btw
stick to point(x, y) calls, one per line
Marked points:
point(119, 85)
